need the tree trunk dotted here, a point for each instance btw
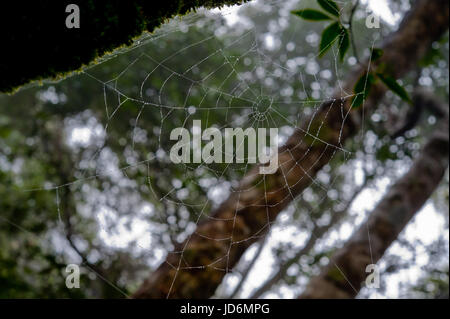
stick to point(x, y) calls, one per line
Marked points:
point(199, 264)
point(344, 276)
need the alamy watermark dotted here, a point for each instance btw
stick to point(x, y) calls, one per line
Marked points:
point(73, 19)
point(73, 277)
point(373, 277)
point(235, 146)
point(372, 20)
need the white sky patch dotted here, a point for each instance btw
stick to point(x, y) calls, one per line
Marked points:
point(230, 14)
point(80, 136)
point(219, 192)
point(51, 96)
point(121, 231)
point(270, 42)
point(426, 226)
point(381, 8)
point(265, 265)
point(232, 17)
point(81, 131)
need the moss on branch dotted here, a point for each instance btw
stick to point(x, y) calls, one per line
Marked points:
point(37, 45)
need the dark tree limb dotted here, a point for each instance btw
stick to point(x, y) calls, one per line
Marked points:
point(37, 45)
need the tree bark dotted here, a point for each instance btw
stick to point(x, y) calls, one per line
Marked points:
point(344, 276)
point(199, 264)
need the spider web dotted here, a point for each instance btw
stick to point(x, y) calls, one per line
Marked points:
point(233, 89)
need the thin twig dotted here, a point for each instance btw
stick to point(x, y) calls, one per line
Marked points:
point(350, 25)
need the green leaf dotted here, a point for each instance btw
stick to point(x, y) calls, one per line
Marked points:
point(395, 87)
point(383, 154)
point(310, 14)
point(431, 57)
point(330, 6)
point(329, 35)
point(5, 132)
point(376, 54)
point(362, 89)
point(344, 43)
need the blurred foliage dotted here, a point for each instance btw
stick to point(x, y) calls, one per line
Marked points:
point(67, 198)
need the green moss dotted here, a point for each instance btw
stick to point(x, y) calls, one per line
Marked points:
point(318, 131)
point(336, 275)
point(37, 45)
